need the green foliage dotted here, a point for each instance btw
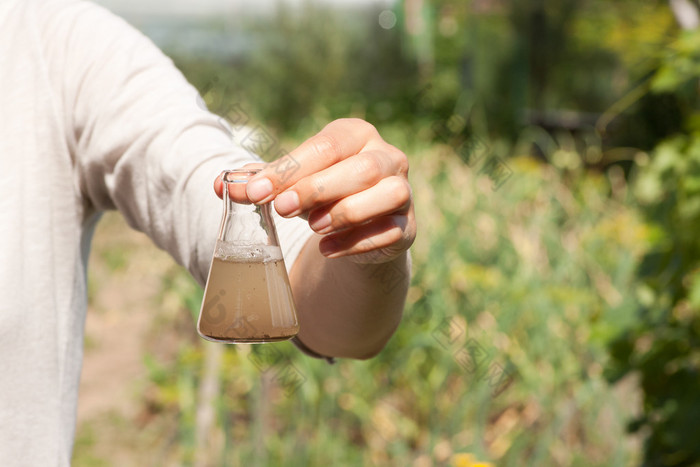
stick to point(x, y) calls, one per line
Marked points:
point(664, 344)
point(681, 64)
point(310, 66)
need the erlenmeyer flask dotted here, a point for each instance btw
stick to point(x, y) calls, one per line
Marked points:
point(247, 298)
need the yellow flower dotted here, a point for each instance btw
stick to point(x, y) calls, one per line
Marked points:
point(464, 459)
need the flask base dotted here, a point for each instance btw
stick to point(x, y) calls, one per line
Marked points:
point(247, 340)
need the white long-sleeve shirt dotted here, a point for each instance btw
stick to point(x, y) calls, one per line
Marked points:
point(92, 117)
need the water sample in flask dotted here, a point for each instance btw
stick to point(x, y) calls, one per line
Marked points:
point(247, 298)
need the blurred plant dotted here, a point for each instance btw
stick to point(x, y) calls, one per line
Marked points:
point(499, 66)
point(318, 63)
point(663, 346)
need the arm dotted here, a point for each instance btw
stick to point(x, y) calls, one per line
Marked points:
point(138, 140)
point(348, 309)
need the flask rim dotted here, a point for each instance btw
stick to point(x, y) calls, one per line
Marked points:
point(239, 175)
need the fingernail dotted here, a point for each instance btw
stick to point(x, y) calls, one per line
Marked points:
point(328, 247)
point(259, 189)
point(287, 204)
point(321, 224)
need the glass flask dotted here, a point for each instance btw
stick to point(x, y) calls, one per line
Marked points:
point(247, 298)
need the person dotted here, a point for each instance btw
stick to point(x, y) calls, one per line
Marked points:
point(94, 117)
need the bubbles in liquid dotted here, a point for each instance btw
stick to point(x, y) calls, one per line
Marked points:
point(247, 253)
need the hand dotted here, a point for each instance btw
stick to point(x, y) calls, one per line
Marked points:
point(350, 185)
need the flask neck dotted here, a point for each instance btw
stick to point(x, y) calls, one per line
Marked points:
point(244, 223)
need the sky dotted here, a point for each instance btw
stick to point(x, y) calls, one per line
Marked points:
point(212, 7)
point(183, 26)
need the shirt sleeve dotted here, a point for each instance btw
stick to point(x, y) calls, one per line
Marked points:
point(141, 140)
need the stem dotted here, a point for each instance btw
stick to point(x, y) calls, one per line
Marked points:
point(208, 391)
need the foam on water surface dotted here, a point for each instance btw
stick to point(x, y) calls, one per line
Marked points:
point(247, 253)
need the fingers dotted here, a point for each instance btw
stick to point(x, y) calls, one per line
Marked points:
point(346, 178)
point(383, 239)
point(339, 140)
point(391, 195)
point(375, 225)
